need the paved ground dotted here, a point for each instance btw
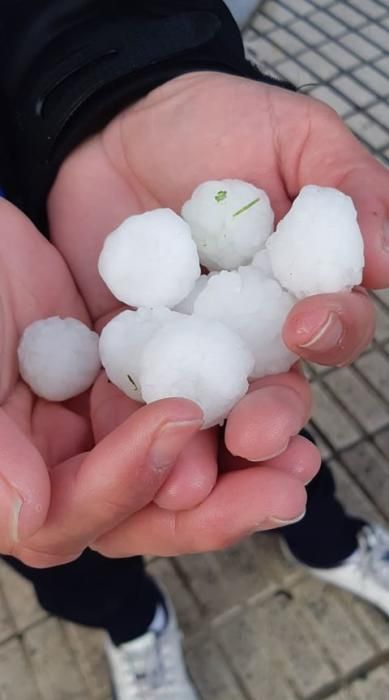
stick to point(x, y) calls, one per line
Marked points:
point(255, 628)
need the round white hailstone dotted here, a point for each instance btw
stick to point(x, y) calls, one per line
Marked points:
point(122, 342)
point(150, 260)
point(255, 307)
point(58, 358)
point(318, 246)
point(261, 261)
point(230, 221)
point(200, 360)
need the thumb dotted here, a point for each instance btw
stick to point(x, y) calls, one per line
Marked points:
point(93, 493)
point(24, 486)
point(128, 466)
point(332, 156)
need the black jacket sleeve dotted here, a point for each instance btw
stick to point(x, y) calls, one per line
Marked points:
point(68, 66)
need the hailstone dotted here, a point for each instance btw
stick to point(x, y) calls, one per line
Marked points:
point(230, 221)
point(255, 307)
point(318, 246)
point(226, 326)
point(122, 342)
point(58, 358)
point(197, 359)
point(150, 260)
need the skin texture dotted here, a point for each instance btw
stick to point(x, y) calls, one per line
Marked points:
point(103, 471)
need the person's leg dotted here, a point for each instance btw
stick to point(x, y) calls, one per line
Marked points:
point(115, 594)
point(327, 535)
point(143, 647)
point(338, 548)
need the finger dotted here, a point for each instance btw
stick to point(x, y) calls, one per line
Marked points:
point(331, 156)
point(372, 203)
point(242, 503)
point(120, 476)
point(40, 268)
point(128, 467)
point(300, 460)
point(260, 426)
point(24, 486)
point(331, 329)
point(193, 476)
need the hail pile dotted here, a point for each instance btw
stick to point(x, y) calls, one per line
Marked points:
point(205, 336)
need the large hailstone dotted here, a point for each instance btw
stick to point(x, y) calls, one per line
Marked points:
point(150, 260)
point(122, 342)
point(197, 359)
point(256, 308)
point(58, 358)
point(230, 221)
point(318, 246)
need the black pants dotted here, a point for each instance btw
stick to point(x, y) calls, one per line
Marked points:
point(117, 595)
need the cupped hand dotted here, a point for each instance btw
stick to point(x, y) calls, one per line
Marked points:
point(152, 482)
point(207, 125)
point(62, 482)
point(34, 435)
point(210, 126)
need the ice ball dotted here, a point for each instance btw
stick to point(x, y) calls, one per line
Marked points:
point(150, 260)
point(58, 358)
point(318, 246)
point(197, 359)
point(230, 221)
point(255, 307)
point(122, 342)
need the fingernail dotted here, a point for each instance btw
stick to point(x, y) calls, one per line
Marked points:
point(271, 455)
point(385, 236)
point(327, 337)
point(283, 523)
point(170, 441)
point(10, 504)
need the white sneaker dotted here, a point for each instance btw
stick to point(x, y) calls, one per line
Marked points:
point(365, 573)
point(242, 10)
point(151, 667)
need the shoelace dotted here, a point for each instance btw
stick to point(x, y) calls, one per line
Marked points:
point(374, 552)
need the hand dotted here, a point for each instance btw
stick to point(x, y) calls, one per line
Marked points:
point(115, 495)
point(34, 435)
point(55, 490)
point(198, 127)
point(206, 126)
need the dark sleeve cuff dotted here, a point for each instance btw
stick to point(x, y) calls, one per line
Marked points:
point(76, 63)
